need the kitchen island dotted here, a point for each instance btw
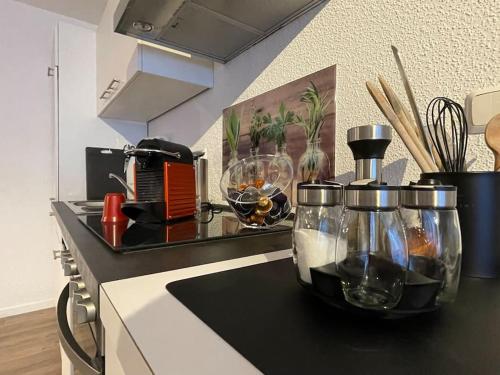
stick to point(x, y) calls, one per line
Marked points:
point(90, 262)
point(249, 316)
point(234, 307)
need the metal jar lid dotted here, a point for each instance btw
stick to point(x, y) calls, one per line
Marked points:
point(369, 132)
point(367, 194)
point(429, 194)
point(320, 194)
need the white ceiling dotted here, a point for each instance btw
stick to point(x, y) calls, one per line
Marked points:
point(84, 10)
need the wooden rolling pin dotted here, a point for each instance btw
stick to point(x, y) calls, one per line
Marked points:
point(399, 111)
point(388, 112)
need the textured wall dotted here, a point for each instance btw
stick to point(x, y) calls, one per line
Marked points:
point(449, 48)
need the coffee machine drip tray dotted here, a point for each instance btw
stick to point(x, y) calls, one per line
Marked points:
point(132, 236)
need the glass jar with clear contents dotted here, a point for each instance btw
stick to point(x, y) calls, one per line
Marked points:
point(372, 255)
point(433, 233)
point(316, 227)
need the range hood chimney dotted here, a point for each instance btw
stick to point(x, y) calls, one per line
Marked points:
point(218, 29)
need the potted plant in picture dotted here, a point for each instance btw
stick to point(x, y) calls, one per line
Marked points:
point(275, 130)
point(314, 160)
point(233, 137)
point(254, 168)
point(256, 127)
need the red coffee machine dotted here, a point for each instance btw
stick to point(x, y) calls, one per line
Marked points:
point(164, 179)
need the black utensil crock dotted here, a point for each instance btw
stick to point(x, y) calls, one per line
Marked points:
point(478, 206)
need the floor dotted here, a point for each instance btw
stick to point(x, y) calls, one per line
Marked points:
point(29, 344)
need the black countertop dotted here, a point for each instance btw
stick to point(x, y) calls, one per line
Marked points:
point(97, 263)
point(274, 323)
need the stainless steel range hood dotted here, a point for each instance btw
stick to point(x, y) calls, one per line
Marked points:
point(219, 29)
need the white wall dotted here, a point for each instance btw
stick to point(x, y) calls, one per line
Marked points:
point(26, 141)
point(449, 48)
point(27, 271)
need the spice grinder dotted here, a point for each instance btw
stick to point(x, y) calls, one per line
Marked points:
point(368, 144)
point(371, 253)
point(316, 226)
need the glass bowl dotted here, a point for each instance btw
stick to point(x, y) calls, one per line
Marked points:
point(255, 189)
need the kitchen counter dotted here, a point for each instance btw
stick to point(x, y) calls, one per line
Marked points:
point(97, 263)
point(281, 329)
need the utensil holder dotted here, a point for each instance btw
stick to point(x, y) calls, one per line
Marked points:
point(478, 206)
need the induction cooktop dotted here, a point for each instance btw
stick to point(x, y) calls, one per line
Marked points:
point(133, 236)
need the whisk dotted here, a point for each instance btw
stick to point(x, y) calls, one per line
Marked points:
point(448, 131)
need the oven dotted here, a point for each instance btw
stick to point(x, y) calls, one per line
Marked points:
point(79, 329)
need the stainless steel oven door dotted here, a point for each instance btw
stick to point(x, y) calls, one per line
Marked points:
point(84, 363)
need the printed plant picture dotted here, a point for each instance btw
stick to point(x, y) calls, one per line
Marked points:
point(295, 122)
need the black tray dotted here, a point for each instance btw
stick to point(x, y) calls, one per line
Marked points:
point(419, 294)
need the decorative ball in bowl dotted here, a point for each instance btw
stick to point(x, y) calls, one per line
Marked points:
point(255, 188)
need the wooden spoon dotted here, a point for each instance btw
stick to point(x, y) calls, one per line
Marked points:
point(398, 108)
point(492, 137)
point(386, 109)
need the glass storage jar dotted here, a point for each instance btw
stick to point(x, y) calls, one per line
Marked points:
point(372, 255)
point(316, 226)
point(433, 233)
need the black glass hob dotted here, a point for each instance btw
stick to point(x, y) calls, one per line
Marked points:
point(133, 236)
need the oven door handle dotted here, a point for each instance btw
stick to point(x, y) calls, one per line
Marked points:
point(77, 356)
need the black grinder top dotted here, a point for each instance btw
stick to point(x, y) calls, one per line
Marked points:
point(370, 141)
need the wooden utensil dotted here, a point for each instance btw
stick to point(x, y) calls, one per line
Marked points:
point(492, 137)
point(406, 113)
point(388, 112)
point(398, 109)
point(437, 160)
point(411, 97)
